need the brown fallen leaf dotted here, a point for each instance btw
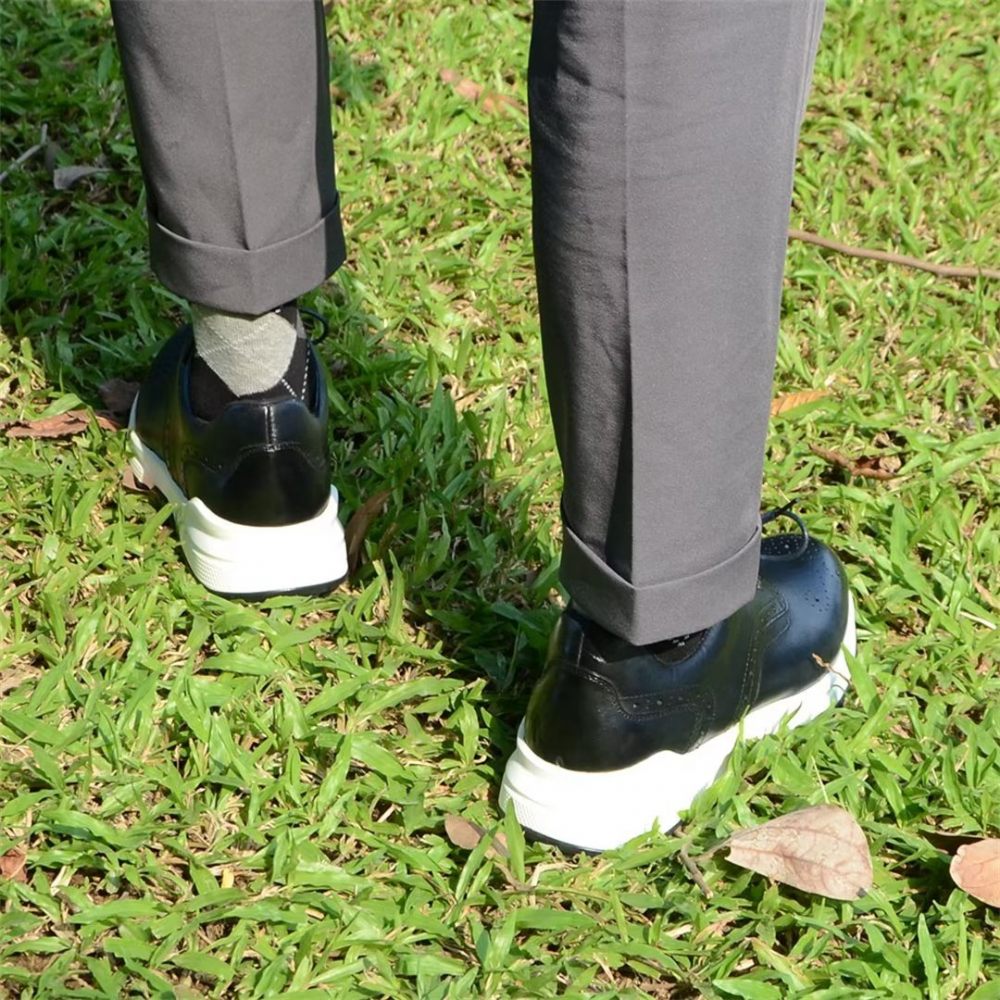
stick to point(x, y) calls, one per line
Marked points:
point(12, 865)
point(63, 178)
point(793, 400)
point(61, 425)
point(463, 86)
point(359, 525)
point(818, 849)
point(976, 869)
point(716, 928)
point(11, 680)
point(986, 595)
point(476, 93)
point(868, 467)
point(131, 483)
point(879, 466)
point(463, 832)
point(118, 395)
point(466, 834)
point(112, 421)
point(493, 102)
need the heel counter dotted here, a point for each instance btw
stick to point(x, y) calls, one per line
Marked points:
point(273, 486)
point(589, 713)
point(569, 708)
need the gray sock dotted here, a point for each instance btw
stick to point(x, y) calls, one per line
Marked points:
point(249, 353)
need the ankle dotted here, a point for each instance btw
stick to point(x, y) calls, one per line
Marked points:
point(244, 357)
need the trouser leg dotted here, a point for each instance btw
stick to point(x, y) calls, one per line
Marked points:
point(231, 114)
point(663, 146)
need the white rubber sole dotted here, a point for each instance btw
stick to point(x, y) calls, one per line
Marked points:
point(248, 560)
point(598, 811)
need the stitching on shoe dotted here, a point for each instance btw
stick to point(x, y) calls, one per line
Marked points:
point(254, 449)
point(746, 682)
point(755, 648)
point(781, 612)
point(658, 704)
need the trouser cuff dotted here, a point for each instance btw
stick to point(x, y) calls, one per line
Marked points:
point(657, 611)
point(248, 281)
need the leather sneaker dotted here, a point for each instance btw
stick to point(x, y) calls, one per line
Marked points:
point(254, 506)
point(619, 737)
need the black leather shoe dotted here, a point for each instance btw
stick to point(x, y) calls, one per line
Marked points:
point(619, 737)
point(254, 506)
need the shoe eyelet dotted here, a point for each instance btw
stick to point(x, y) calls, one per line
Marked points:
point(784, 547)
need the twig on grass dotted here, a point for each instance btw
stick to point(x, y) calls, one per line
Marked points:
point(866, 468)
point(694, 872)
point(887, 257)
point(28, 153)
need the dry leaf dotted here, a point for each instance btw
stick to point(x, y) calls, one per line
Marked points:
point(463, 832)
point(716, 928)
point(63, 178)
point(976, 869)
point(469, 90)
point(466, 834)
point(877, 467)
point(358, 526)
point(12, 865)
point(792, 400)
point(819, 849)
point(131, 483)
point(985, 594)
point(118, 395)
point(11, 680)
point(492, 102)
point(476, 93)
point(61, 425)
point(106, 423)
point(462, 86)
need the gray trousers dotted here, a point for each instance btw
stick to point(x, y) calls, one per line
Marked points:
point(663, 146)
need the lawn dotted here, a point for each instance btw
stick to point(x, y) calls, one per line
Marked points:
point(216, 798)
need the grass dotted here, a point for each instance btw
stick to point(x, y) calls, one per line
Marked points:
point(221, 799)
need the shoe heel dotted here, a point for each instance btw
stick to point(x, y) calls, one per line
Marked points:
point(250, 561)
point(599, 810)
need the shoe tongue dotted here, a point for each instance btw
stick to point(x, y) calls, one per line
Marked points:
point(677, 649)
point(613, 649)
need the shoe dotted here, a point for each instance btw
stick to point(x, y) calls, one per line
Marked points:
point(254, 507)
point(618, 738)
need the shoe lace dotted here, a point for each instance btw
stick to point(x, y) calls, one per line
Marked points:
point(312, 314)
point(787, 511)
